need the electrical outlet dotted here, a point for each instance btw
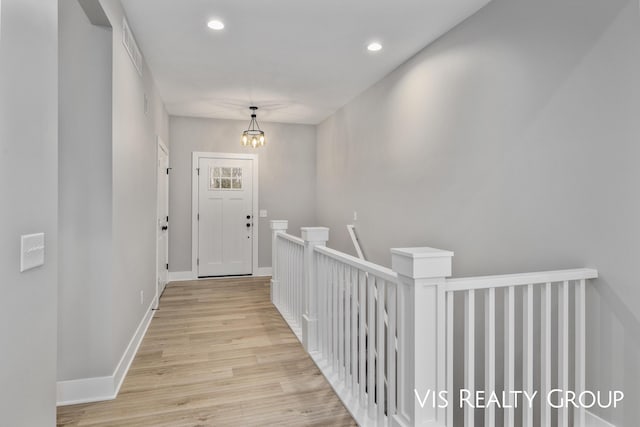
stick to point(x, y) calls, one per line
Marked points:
point(263, 213)
point(355, 215)
point(141, 297)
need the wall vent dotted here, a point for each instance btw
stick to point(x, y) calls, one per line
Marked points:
point(132, 47)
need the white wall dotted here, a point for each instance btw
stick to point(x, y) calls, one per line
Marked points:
point(85, 294)
point(513, 141)
point(286, 181)
point(29, 194)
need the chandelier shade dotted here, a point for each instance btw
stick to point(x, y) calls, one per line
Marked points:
point(253, 136)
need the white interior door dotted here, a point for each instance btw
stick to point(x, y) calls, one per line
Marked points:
point(225, 222)
point(163, 219)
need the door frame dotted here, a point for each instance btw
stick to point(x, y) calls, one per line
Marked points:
point(160, 145)
point(196, 156)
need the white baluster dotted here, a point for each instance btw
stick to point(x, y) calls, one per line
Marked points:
point(362, 335)
point(580, 302)
point(324, 291)
point(294, 286)
point(299, 284)
point(347, 326)
point(509, 355)
point(545, 353)
point(325, 295)
point(380, 350)
point(294, 283)
point(563, 350)
point(285, 276)
point(469, 353)
point(353, 284)
point(391, 349)
point(341, 321)
point(527, 354)
point(335, 314)
point(326, 278)
point(490, 353)
point(371, 345)
point(450, 391)
point(290, 278)
point(282, 275)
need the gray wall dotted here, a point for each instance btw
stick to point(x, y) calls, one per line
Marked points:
point(29, 190)
point(513, 141)
point(286, 181)
point(134, 186)
point(108, 192)
point(85, 278)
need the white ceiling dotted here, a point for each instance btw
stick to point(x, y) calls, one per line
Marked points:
point(298, 60)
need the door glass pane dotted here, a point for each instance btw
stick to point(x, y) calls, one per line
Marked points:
point(225, 178)
point(212, 179)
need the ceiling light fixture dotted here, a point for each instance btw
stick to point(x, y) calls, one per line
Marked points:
point(374, 47)
point(215, 24)
point(253, 136)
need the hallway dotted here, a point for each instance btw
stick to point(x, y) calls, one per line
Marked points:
point(217, 353)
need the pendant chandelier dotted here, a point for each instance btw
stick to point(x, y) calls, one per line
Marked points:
point(253, 136)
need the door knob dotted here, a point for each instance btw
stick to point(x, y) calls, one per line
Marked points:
point(165, 227)
point(248, 224)
point(248, 216)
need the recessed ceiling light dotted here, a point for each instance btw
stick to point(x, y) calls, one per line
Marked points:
point(374, 47)
point(215, 24)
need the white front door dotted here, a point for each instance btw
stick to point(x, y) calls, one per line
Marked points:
point(163, 219)
point(225, 222)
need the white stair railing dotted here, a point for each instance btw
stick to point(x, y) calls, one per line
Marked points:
point(287, 292)
point(357, 321)
point(384, 337)
point(561, 287)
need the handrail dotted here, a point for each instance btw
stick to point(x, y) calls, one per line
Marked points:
point(293, 239)
point(504, 280)
point(366, 266)
point(356, 243)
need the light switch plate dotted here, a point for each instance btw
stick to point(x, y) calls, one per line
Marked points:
point(31, 251)
point(263, 213)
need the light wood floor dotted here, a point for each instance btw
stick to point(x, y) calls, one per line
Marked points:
point(217, 353)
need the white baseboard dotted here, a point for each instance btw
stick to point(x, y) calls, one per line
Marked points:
point(592, 420)
point(86, 390)
point(179, 276)
point(263, 271)
point(130, 353)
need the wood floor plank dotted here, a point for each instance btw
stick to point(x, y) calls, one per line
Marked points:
point(217, 353)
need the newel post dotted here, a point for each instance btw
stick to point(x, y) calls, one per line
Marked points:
point(312, 236)
point(422, 274)
point(277, 226)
